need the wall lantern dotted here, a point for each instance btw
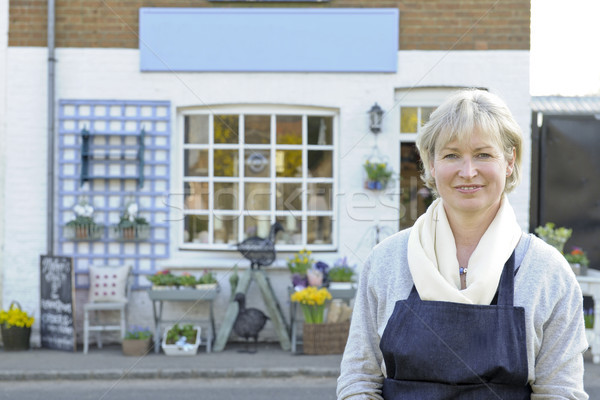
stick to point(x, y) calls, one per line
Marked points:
point(375, 118)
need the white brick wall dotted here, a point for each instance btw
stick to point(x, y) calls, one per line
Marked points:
point(3, 50)
point(114, 74)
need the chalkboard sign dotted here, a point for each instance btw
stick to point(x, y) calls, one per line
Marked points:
point(57, 325)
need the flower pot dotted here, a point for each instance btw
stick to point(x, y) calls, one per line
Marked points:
point(325, 338)
point(375, 185)
point(15, 338)
point(189, 349)
point(135, 347)
point(576, 267)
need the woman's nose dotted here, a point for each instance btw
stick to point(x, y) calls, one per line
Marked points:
point(467, 169)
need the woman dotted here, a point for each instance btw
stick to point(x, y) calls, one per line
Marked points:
point(463, 305)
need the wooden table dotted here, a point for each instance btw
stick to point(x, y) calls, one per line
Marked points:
point(196, 296)
point(343, 294)
point(590, 286)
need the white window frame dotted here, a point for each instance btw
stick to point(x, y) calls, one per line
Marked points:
point(273, 111)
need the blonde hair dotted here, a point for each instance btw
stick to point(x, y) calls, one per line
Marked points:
point(462, 114)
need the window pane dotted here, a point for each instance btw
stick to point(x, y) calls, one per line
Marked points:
point(196, 195)
point(408, 120)
point(288, 197)
point(257, 196)
point(257, 129)
point(226, 163)
point(195, 162)
point(195, 229)
point(289, 129)
point(292, 233)
point(318, 230)
point(425, 114)
point(320, 164)
point(226, 128)
point(196, 129)
point(415, 197)
point(320, 130)
point(288, 163)
point(225, 229)
point(257, 163)
point(257, 225)
point(319, 197)
point(226, 196)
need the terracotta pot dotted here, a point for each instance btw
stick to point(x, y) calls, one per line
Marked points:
point(135, 347)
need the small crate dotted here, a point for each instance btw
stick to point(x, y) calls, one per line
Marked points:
point(325, 338)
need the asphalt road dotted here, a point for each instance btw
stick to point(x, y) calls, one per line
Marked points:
point(301, 388)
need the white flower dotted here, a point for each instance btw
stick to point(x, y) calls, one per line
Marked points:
point(79, 210)
point(88, 210)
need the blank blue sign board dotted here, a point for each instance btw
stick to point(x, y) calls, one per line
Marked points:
point(269, 39)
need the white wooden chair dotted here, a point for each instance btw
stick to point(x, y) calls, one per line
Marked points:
point(110, 290)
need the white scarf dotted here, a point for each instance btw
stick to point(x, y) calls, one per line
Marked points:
point(432, 256)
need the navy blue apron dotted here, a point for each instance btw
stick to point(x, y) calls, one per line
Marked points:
point(440, 350)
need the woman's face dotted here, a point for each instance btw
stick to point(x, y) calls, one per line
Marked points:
point(470, 176)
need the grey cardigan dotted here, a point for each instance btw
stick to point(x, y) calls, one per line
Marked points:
point(544, 285)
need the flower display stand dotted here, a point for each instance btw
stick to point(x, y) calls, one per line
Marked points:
point(325, 338)
point(15, 338)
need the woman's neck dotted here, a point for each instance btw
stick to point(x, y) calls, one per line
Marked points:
point(467, 232)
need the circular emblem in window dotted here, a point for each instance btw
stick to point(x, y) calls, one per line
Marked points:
point(256, 162)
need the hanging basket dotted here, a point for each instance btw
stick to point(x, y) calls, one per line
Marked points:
point(83, 232)
point(131, 234)
point(325, 338)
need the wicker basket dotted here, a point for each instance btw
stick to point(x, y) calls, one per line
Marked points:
point(325, 338)
point(15, 338)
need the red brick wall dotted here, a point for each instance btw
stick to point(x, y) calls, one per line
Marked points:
point(424, 24)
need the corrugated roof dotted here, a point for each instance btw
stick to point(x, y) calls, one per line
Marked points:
point(566, 105)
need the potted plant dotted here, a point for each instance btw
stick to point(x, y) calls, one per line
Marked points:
point(83, 226)
point(556, 237)
point(15, 325)
point(378, 175)
point(163, 279)
point(341, 275)
point(131, 226)
point(578, 260)
point(319, 337)
point(298, 265)
point(136, 341)
point(207, 281)
point(181, 340)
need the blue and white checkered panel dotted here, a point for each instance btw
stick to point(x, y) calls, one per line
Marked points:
point(115, 128)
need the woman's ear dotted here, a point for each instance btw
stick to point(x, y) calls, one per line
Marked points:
point(511, 163)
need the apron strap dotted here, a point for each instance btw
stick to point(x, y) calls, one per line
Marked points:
point(506, 289)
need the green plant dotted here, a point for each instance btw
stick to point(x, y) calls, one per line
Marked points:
point(186, 279)
point(129, 218)
point(378, 172)
point(138, 333)
point(577, 256)
point(300, 262)
point(206, 278)
point(163, 278)
point(554, 237)
point(341, 271)
point(177, 332)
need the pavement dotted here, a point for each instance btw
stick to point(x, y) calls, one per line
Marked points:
point(269, 361)
point(110, 363)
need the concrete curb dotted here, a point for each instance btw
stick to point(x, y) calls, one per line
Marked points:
point(116, 374)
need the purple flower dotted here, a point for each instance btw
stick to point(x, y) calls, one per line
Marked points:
point(321, 266)
point(299, 281)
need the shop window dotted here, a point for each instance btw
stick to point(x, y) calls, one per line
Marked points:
point(243, 171)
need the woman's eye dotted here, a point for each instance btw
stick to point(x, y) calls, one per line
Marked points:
point(484, 155)
point(451, 155)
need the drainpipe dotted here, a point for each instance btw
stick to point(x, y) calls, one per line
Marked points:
point(50, 178)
